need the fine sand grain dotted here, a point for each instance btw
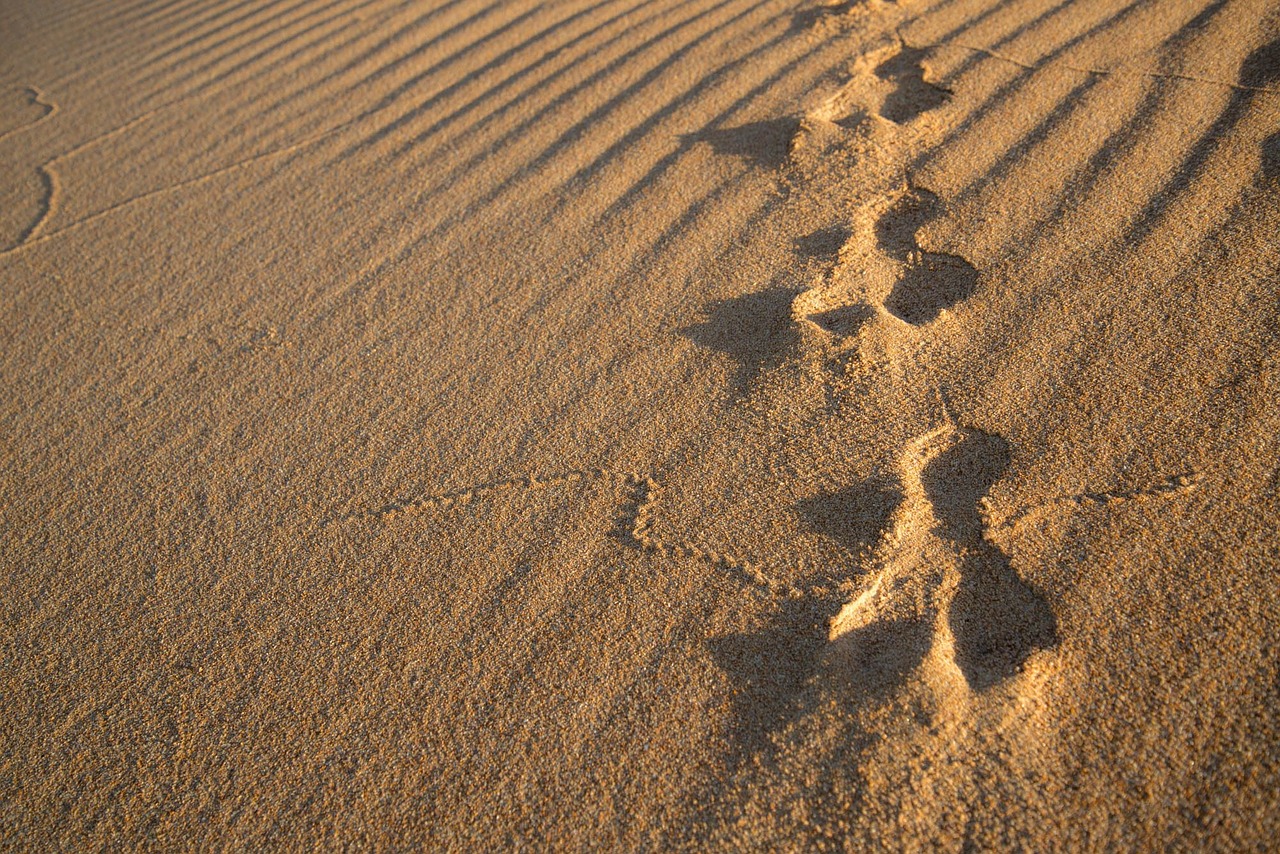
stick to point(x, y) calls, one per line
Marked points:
point(640, 424)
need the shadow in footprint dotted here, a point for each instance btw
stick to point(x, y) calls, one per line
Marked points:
point(768, 669)
point(876, 658)
point(755, 330)
point(770, 666)
point(911, 95)
point(933, 282)
point(1271, 157)
point(765, 143)
point(996, 618)
point(896, 228)
point(844, 321)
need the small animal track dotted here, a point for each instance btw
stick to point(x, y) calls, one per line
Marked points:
point(38, 231)
point(1170, 487)
point(641, 495)
point(31, 109)
point(952, 476)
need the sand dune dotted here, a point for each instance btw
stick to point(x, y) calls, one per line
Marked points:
point(640, 424)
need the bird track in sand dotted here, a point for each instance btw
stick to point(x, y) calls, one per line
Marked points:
point(645, 494)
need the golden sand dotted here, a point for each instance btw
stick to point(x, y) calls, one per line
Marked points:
point(640, 424)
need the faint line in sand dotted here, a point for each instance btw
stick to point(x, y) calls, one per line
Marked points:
point(644, 500)
point(1173, 486)
point(32, 237)
point(36, 97)
point(1098, 72)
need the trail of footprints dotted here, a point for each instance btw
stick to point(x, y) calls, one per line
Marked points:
point(897, 277)
point(938, 585)
point(935, 584)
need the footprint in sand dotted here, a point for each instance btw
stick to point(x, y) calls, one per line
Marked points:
point(911, 94)
point(942, 587)
point(929, 282)
point(996, 619)
point(911, 285)
point(889, 83)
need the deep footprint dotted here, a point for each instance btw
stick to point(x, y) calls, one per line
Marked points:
point(996, 618)
point(911, 95)
point(932, 282)
point(896, 229)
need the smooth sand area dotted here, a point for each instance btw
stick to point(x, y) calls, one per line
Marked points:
point(640, 424)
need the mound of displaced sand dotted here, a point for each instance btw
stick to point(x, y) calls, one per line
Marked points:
point(605, 423)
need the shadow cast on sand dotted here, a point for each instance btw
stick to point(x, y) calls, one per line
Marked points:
point(769, 669)
point(825, 243)
point(855, 516)
point(765, 143)
point(1271, 157)
point(755, 330)
point(771, 666)
point(807, 19)
point(934, 283)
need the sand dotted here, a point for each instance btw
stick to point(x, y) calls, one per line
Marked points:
point(682, 424)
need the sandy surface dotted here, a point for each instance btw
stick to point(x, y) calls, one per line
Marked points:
point(639, 424)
